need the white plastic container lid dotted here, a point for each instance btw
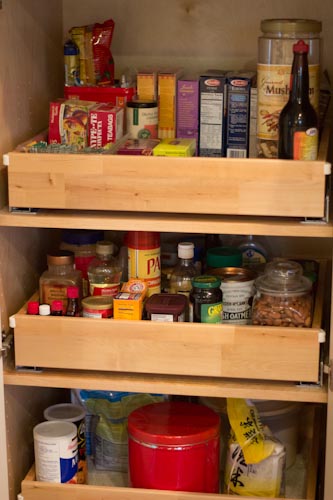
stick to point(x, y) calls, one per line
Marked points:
point(65, 411)
point(56, 429)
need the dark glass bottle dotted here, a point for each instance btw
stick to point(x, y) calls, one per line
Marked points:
point(73, 305)
point(298, 121)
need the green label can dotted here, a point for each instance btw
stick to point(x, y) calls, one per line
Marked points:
point(206, 300)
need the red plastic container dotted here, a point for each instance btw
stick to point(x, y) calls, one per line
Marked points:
point(174, 445)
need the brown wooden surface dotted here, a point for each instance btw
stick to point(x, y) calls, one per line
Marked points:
point(159, 184)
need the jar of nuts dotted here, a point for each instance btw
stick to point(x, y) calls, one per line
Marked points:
point(283, 296)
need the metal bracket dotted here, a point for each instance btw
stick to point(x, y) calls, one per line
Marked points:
point(6, 345)
point(328, 370)
point(325, 219)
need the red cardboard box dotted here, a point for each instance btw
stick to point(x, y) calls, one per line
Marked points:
point(105, 125)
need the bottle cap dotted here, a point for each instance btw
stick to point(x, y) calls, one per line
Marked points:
point(56, 305)
point(206, 282)
point(33, 307)
point(142, 240)
point(44, 310)
point(186, 250)
point(300, 47)
point(105, 247)
point(72, 292)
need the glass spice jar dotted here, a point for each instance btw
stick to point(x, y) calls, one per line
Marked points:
point(283, 296)
point(60, 274)
point(275, 57)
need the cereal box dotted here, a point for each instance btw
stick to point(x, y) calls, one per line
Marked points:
point(105, 124)
point(68, 122)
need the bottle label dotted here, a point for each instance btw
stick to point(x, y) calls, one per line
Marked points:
point(105, 289)
point(253, 257)
point(273, 94)
point(146, 265)
point(305, 145)
point(211, 313)
point(72, 70)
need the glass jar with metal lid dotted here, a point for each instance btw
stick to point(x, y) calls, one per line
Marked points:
point(60, 274)
point(283, 296)
point(275, 56)
point(206, 300)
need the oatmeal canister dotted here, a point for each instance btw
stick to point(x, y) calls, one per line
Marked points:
point(275, 56)
point(237, 285)
point(174, 445)
point(283, 296)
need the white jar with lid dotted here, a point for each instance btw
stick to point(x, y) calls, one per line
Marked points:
point(275, 56)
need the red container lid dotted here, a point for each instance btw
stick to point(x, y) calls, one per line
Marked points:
point(142, 240)
point(173, 423)
point(166, 303)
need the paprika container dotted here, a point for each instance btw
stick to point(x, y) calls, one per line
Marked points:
point(174, 445)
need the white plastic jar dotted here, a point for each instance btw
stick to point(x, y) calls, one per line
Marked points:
point(275, 57)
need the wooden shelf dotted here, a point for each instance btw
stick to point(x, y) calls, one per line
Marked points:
point(167, 384)
point(185, 223)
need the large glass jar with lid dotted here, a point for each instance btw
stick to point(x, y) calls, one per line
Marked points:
point(275, 57)
point(60, 274)
point(283, 296)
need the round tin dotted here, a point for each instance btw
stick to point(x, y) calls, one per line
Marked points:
point(142, 119)
point(97, 306)
point(174, 445)
point(237, 285)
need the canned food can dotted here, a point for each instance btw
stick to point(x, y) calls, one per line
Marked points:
point(237, 285)
point(97, 306)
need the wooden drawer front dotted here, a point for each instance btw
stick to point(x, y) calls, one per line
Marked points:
point(167, 348)
point(235, 351)
point(306, 460)
point(174, 185)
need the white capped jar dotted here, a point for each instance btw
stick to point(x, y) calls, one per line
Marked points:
point(275, 57)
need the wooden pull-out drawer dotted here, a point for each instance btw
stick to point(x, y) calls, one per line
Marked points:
point(300, 479)
point(228, 186)
point(235, 351)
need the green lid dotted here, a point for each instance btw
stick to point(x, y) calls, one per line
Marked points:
point(224, 257)
point(206, 281)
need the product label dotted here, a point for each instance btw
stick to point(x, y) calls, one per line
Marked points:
point(108, 289)
point(252, 257)
point(273, 94)
point(237, 302)
point(54, 292)
point(142, 123)
point(56, 461)
point(211, 313)
point(305, 144)
point(146, 265)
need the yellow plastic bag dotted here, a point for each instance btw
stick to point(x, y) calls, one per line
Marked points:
point(247, 427)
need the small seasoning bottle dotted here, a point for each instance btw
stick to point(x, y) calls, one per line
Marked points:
point(104, 272)
point(33, 307)
point(44, 310)
point(56, 308)
point(61, 274)
point(206, 300)
point(73, 305)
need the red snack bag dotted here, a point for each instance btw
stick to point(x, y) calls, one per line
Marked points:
point(103, 61)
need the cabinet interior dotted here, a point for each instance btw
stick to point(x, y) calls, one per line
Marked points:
point(182, 33)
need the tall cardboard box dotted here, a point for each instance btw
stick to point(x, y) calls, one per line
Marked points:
point(146, 84)
point(211, 113)
point(167, 92)
point(187, 108)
